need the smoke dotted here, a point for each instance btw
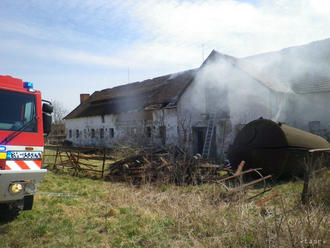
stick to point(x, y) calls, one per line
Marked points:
point(287, 86)
point(305, 71)
point(233, 92)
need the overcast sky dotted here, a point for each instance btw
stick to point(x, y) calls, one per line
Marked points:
point(68, 47)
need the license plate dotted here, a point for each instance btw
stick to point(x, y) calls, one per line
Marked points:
point(24, 155)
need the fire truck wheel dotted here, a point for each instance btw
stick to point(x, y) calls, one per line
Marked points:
point(28, 202)
point(8, 212)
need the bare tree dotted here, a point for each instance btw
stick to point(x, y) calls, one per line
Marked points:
point(185, 131)
point(59, 112)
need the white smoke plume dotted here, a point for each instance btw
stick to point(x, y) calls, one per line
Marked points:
point(287, 86)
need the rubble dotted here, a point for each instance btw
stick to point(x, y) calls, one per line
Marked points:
point(163, 166)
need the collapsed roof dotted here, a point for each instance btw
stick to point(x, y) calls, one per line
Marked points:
point(158, 92)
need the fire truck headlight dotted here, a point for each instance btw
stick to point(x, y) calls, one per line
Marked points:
point(30, 188)
point(16, 188)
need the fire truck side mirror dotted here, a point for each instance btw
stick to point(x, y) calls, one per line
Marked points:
point(47, 107)
point(47, 110)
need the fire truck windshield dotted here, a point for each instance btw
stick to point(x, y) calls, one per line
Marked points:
point(17, 109)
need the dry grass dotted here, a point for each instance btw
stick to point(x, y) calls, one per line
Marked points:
point(320, 189)
point(201, 218)
point(120, 215)
point(93, 213)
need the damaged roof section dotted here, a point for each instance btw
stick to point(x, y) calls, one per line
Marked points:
point(160, 92)
point(153, 93)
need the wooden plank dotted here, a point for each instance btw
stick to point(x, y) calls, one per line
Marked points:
point(234, 176)
point(209, 166)
point(263, 201)
point(104, 156)
point(238, 172)
point(88, 165)
point(240, 168)
point(250, 183)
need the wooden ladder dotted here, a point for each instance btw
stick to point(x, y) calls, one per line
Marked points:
point(208, 137)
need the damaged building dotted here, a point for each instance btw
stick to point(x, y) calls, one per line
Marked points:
point(191, 109)
point(199, 110)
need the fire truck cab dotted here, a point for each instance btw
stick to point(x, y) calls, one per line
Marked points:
point(24, 118)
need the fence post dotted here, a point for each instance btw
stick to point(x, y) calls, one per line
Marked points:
point(104, 153)
point(308, 171)
point(54, 166)
point(77, 167)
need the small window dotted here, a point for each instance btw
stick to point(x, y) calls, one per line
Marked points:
point(111, 132)
point(102, 117)
point(70, 133)
point(102, 133)
point(148, 132)
point(77, 133)
point(85, 133)
point(93, 133)
point(133, 131)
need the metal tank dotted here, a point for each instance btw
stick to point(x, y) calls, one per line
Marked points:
point(277, 148)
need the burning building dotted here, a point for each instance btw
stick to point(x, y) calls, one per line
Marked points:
point(200, 110)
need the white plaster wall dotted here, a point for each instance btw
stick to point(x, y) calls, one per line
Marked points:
point(129, 128)
point(85, 126)
point(166, 117)
point(192, 104)
point(191, 112)
point(246, 100)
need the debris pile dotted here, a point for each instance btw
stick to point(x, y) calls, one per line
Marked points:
point(165, 167)
point(171, 166)
point(176, 167)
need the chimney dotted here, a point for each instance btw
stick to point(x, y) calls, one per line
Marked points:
point(83, 97)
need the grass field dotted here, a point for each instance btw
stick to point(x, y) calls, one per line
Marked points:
point(80, 212)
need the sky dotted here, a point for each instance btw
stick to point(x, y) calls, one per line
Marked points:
point(68, 47)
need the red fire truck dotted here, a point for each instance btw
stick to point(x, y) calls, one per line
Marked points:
point(24, 119)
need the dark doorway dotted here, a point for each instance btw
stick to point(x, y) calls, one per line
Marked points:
point(162, 134)
point(199, 138)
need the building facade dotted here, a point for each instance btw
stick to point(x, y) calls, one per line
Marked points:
point(177, 109)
